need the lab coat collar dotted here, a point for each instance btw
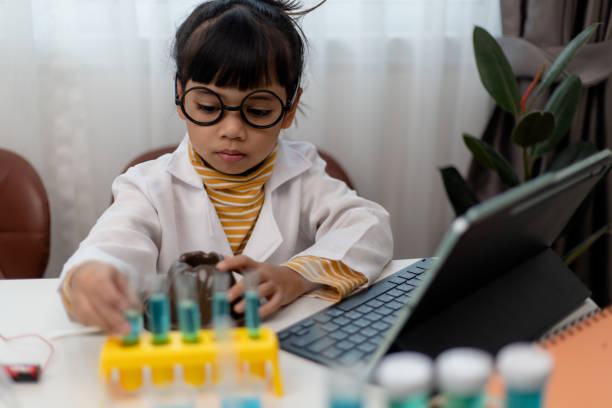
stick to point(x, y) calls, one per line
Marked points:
point(289, 164)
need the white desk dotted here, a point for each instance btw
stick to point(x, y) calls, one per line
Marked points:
point(72, 378)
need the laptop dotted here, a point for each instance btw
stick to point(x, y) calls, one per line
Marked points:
point(493, 280)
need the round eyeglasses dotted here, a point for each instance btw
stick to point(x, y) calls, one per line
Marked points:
point(260, 109)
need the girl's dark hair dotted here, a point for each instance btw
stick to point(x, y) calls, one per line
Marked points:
point(242, 43)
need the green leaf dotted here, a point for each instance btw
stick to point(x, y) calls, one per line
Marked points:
point(585, 245)
point(489, 158)
point(562, 104)
point(565, 57)
point(533, 128)
point(495, 71)
point(572, 153)
point(459, 193)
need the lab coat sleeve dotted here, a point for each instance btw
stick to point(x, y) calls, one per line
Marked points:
point(127, 235)
point(343, 226)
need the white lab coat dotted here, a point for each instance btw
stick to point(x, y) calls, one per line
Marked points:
point(161, 210)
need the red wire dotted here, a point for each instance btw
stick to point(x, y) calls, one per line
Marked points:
point(47, 342)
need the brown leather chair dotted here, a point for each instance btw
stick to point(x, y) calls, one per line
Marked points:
point(25, 226)
point(333, 168)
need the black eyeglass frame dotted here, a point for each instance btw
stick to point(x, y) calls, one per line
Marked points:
point(181, 102)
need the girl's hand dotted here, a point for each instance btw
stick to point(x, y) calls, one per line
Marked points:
point(99, 296)
point(279, 284)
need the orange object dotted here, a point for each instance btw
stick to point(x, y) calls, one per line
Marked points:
point(582, 366)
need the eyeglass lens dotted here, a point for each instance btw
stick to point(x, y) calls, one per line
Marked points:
point(260, 108)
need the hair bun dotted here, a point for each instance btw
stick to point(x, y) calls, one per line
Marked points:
point(291, 7)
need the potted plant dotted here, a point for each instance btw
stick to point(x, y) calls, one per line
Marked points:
point(536, 132)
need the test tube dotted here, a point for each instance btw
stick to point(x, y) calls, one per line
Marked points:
point(525, 369)
point(159, 311)
point(251, 296)
point(187, 306)
point(462, 375)
point(345, 388)
point(133, 313)
point(408, 378)
point(220, 304)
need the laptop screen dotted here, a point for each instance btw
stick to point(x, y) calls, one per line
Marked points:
point(495, 279)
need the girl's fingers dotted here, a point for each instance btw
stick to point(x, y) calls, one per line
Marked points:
point(112, 320)
point(272, 306)
point(266, 289)
point(235, 291)
point(111, 295)
point(236, 262)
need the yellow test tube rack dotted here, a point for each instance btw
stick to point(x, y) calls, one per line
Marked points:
point(251, 354)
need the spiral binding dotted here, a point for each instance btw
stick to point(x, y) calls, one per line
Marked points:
point(574, 326)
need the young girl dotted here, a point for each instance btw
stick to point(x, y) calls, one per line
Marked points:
point(232, 186)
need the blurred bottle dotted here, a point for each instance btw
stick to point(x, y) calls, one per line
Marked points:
point(462, 374)
point(525, 369)
point(408, 379)
point(346, 388)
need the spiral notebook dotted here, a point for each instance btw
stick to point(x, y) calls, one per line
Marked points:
point(582, 353)
point(583, 363)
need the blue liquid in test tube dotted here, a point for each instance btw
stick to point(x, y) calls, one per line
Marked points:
point(134, 318)
point(252, 313)
point(189, 320)
point(220, 308)
point(518, 399)
point(159, 317)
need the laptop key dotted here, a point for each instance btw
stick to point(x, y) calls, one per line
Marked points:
point(384, 310)
point(334, 312)
point(321, 345)
point(381, 326)
point(341, 320)
point(375, 303)
point(403, 298)
point(369, 294)
point(332, 352)
point(357, 338)
point(345, 345)
point(353, 315)
point(330, 326)
point(377, 339)
point(322, 318)
point(350, 329)
point(395, 293)
point(385, 298)
point(303, 332)
point(406, 275)
point(369, 332)
point(351, 357)
point(395, 305)
point(373, 316)
point(308, 323)
point(338, 335)
point(389, 319)
point(284, 335)
point(406, 287)
point(397, 279)
point(305, 340)
point(362, 322)
point(367, 347)
point(364, 309)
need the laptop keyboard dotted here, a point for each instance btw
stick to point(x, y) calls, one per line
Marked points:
point(351, 330)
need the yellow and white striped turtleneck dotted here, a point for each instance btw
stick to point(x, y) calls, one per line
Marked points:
point(238, 200)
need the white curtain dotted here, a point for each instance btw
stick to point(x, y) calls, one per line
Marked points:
point(389, 88)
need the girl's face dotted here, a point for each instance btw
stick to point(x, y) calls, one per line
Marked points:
point(231, 145)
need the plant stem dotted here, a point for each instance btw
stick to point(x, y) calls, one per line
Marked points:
point(526, 166)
